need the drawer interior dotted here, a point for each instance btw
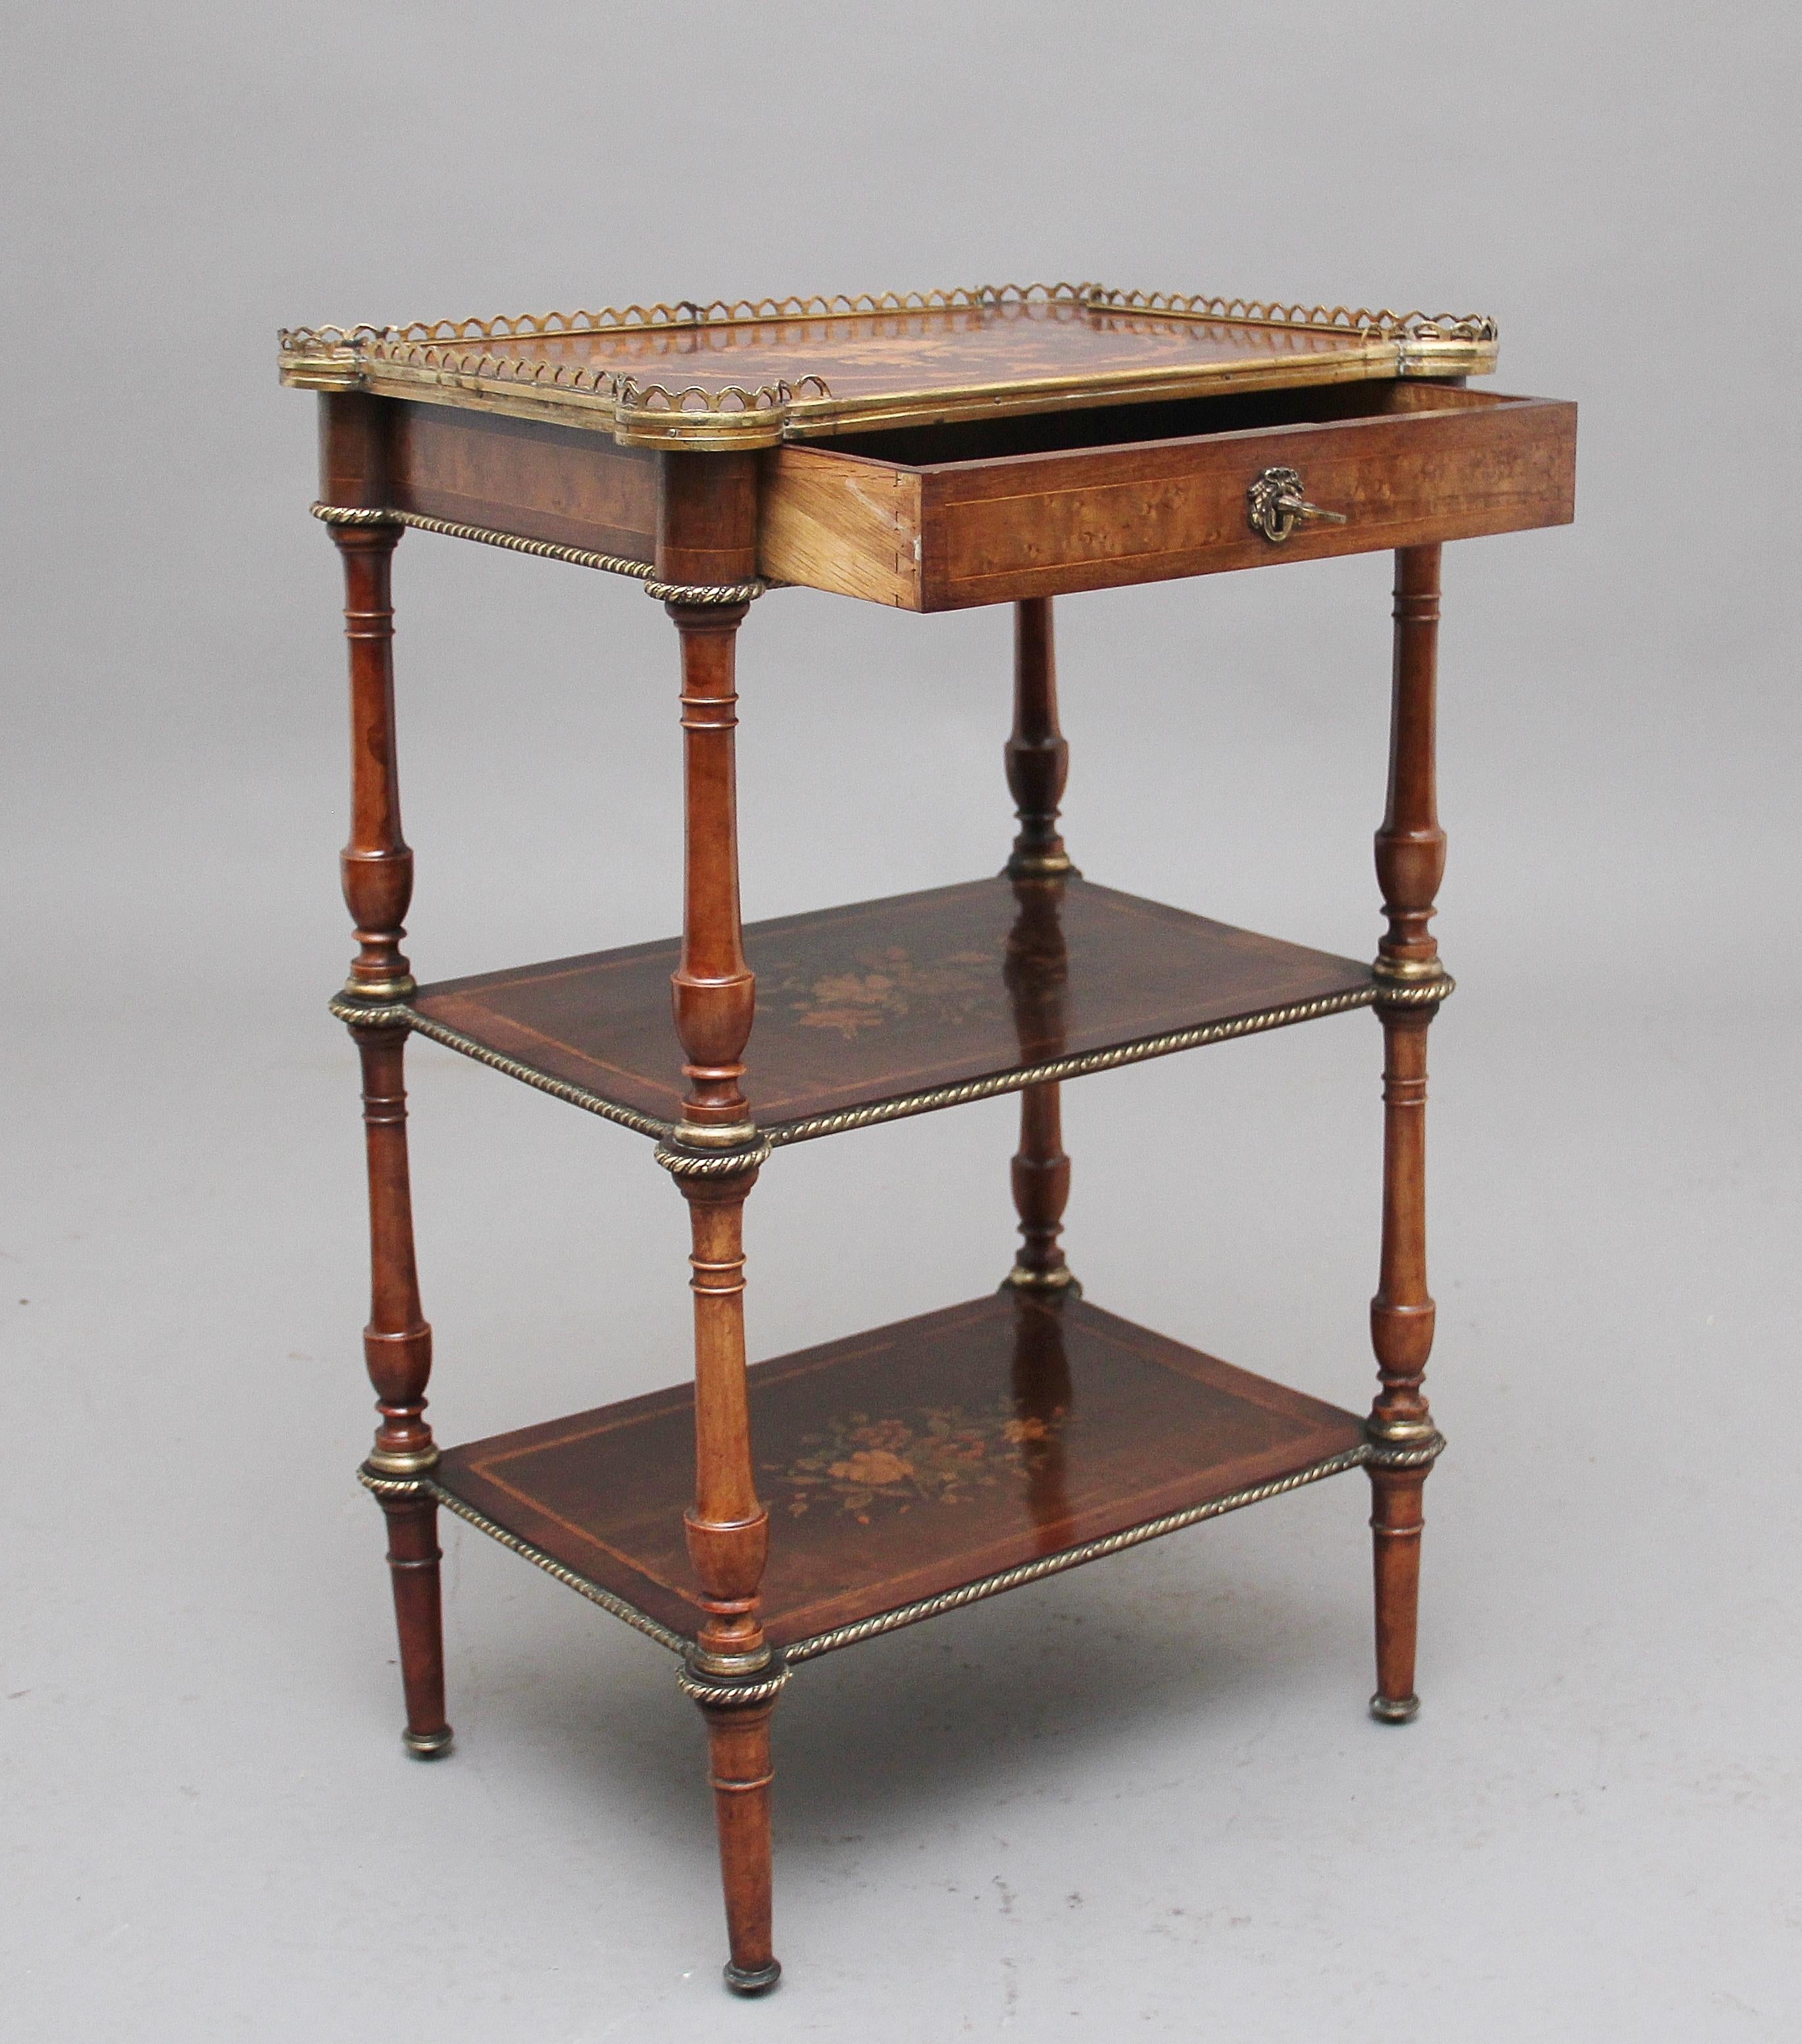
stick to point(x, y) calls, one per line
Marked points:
point(953, 441)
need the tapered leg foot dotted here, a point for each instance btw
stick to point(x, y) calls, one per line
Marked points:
point(1396, 1524)
point(738, 1739)
point(413, 1557)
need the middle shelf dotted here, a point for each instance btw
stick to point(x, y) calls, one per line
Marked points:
point(895, 1007)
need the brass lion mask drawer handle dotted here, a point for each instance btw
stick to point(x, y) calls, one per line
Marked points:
point(1275, 505)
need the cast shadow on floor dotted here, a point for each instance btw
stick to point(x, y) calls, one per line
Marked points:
point(969, 1709)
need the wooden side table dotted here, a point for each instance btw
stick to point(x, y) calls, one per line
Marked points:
point(932, 451)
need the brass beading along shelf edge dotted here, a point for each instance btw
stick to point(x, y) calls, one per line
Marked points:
point(1071, 1067)
point(1052, 1564)
point(607, 1600)
point(400, 1014)
point(830, 1642)
point(641, 572)
point(435, 359)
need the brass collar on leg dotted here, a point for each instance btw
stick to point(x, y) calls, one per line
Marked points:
point(1411, 979)
point(1041, 865)
point(378, 993)
point(1402, 1443)
point(400, 1462)
point(682, 1162)
point(702, 1685)
point(1054, 1284)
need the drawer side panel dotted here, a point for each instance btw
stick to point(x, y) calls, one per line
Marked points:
point(836, 522)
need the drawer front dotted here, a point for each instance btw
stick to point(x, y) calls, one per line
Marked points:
point(978, 532)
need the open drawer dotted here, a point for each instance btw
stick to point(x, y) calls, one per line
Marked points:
point(940, 517)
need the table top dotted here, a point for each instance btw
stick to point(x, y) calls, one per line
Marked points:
point(752, 374)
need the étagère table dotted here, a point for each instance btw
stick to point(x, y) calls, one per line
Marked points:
point(933, 451)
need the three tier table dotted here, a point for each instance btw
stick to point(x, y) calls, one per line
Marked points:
point(931, 452)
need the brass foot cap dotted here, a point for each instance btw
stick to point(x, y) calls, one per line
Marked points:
point(428, 1745)
point(1395, 1710)
point(752, 1980)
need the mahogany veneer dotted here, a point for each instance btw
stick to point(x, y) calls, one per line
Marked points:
point(862, 1006)
point(992, 511)
point(998, 445)
point(907, 1461)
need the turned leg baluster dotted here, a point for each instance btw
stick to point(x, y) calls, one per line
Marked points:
point(1038, 765)
point(1041, 1192)
point(377, 870)
point(1037, 753)
point(1410, 863)
point(708, 524)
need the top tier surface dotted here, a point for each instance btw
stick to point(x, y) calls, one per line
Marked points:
point(750, 376)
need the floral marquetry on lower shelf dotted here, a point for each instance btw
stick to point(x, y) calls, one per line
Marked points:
point(938, 1455)
point(861, 1465)
point(929, 451)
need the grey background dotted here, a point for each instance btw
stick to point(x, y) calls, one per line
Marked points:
point(1143, 1798)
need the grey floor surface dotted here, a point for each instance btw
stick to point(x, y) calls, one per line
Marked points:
point(1144, 1798)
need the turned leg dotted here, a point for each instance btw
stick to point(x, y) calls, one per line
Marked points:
point(378, 883)
point(1038, 765)
point(397, 1348)
point(731, 1674)
point(1037, 754)
point(1041, 1192)
point(1404, 1440)
point(1410, 863)
point(713, 1155)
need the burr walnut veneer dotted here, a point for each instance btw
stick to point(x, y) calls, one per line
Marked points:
point(931, 452)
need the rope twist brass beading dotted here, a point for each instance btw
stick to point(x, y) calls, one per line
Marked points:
point(641, 571)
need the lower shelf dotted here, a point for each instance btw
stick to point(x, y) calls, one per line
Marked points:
point(910, 1470)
